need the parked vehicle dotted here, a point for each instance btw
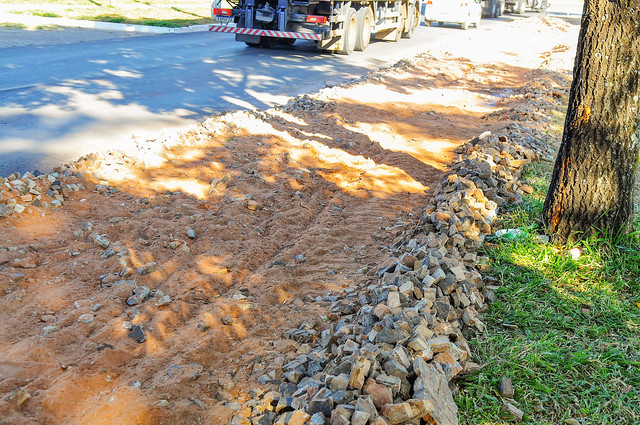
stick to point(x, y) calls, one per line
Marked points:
point(520, 6)
point(463, 12)
point(341, 26)
point(493, 8)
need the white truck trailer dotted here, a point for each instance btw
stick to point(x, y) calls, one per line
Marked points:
point(340, 26)
point(520, 6)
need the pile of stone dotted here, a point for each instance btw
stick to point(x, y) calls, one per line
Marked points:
point(398, 342)
point(535, 100)
point(23, 193)
point(33, 191)
point(308, 103)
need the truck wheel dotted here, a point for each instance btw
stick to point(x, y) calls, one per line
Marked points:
point(287, 41)
point(364, 16)
point(412, 21)
point(252, 44)
point(398, 33)
point(268, 42)
point(544, 5)
point(495, 11)
point(350, 33)
point(520, 7)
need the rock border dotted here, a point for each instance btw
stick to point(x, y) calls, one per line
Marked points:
point(398, 344)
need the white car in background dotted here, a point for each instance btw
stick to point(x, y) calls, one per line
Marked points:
point(463, 12)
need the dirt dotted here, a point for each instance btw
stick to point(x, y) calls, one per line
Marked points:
point(286, 207)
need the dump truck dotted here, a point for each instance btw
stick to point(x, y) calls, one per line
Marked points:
point(340, 26)
point(520, 6)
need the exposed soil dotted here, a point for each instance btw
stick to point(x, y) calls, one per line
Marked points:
point(286, 206)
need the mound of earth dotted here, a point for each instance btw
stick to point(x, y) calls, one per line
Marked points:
point(157, 287)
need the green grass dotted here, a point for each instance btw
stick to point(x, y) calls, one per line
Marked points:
point(566, 331)
point(44, 14)
point(163, 13)
point(13, 26)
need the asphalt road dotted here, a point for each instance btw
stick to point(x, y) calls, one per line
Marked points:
point(61, 101)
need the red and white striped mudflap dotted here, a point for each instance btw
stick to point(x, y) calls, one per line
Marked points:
point(266, 33)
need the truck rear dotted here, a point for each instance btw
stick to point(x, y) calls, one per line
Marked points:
point(340, 26)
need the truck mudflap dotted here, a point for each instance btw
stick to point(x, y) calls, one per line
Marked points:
point(267, 33)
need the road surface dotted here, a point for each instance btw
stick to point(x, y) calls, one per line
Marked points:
point(61, 101)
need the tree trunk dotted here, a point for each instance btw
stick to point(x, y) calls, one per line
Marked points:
point(592, 183)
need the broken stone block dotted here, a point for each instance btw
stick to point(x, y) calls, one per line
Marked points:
point(410, 409)
point(392, 336)
point(296, 417)
point(380, 394)
point(320, 405)
point(392, 382)
point(365, 404)
point(393, 300)
point(417, 343)
point(506, 388)
point(393, 368)
point(359, 418)
point(431, 384)
point(18, 396)
point(512, 411)
point(359, 372)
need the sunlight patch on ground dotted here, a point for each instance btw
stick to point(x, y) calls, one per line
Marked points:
point(238, 102)
point(287, 117)
point(431, 152)
point(353, 173)
point(226, 75)
point(266, 98)
point(455, 96)
point(122, 73)
point(190, 186)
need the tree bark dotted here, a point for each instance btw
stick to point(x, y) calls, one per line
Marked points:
point(592, 184)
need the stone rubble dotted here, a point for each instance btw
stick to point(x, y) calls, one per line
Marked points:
point(308, 103)
point(33, 190)
point(395, 345)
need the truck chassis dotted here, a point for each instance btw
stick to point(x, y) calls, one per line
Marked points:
point(340, 26)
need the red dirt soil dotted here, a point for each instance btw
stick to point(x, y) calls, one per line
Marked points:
point(285, 209)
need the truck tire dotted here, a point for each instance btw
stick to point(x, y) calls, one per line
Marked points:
point(542, 6)
point(269, 42)
point(492, 9)
point(521, 6)
point(287, 41)
point(364, 16)
point(350, 33)
point(412, 21)
point(495, 9)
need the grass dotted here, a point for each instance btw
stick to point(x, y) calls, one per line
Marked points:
point(163, 13)
point(45, 14)
point(13, 26)
point(565, 330)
